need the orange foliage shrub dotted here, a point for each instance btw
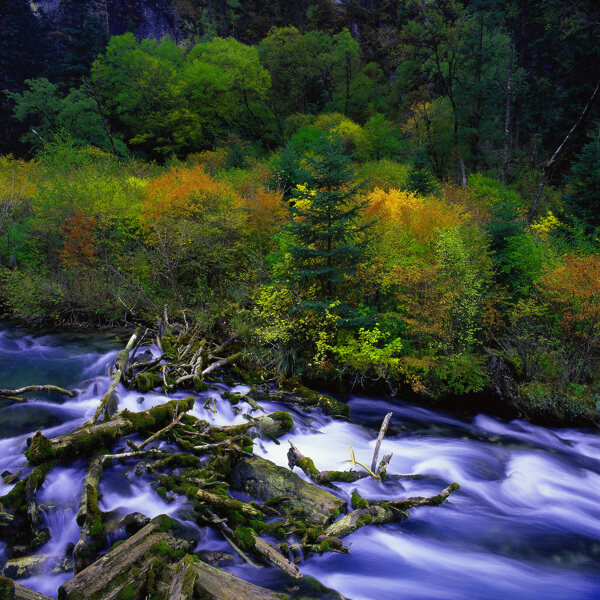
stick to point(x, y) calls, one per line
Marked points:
point(417, 215)
point(79, 247)
point(181, 192)
point(574, 287)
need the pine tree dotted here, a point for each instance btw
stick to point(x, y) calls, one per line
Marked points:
point(325, 222)
point(420, 178)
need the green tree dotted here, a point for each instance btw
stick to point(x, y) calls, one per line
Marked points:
point(325, 222)
point(45, 113)
point(380, 138)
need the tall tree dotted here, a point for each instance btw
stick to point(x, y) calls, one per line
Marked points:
point(325, 221)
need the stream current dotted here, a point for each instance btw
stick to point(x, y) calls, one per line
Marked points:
point(524, 525)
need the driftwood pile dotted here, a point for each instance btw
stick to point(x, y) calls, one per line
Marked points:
point(182, 456)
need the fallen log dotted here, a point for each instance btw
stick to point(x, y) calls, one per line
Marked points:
point(89, 439)
point(10, 590)
point(16, 394)
point(124, 571)
point(118, 373)
point(89, 518)
point(297, 459)
point(196, 579)
point(378, 513)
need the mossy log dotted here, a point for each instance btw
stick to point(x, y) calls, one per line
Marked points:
point(118, 373)
point(297, 459)
point(264, 480)
point(194, 580)
point(128, 570)
point(16, 394)
point(19, 513)
point(293, 392)
point(378, 513)
point(89, 518)
point(89, 439)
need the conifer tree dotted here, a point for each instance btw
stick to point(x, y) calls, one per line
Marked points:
point(325, 222)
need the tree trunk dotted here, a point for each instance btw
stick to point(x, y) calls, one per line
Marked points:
point(506, 150)
point(549, 166)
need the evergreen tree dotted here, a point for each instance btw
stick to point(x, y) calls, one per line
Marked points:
point(420, 178)
point(584, 194)
point(325, 222)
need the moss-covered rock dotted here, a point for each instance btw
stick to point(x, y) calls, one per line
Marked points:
point(264, 480)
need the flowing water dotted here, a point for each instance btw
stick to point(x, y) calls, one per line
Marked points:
point(524, 525)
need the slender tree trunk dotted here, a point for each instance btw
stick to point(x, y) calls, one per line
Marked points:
point(506, 151)
point(92, 93)
point(549, 166)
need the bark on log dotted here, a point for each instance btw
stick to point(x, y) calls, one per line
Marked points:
point(275, 558)
point(384, 426)
point(384, 512)
point(210, 582)
point(227, 505)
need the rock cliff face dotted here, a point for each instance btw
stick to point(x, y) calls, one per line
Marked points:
point(148, 19)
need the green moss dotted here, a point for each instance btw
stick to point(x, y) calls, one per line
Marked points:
point(199, 385)
point(258, 526)
point(16, 498)
point(236, 518)
point(220, 434)
point(358, 502)
point(284, 419)
point(161, 549)
point(127, 593)
point(364, 519)
point(284, 548)
point(40, 450)
point(164, 523)
point(308, 466)
point(245, 538)
point(162, 492)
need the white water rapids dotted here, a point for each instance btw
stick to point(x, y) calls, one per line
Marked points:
point(524, 525)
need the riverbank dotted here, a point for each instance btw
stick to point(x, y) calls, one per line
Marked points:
point(522, 509)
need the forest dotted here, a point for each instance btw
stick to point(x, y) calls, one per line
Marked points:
point(228, 224)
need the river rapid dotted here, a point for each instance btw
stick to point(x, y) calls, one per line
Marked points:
point(524, 525)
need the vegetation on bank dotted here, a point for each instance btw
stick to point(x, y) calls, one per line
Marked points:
point(323, 266)
point(357, 210)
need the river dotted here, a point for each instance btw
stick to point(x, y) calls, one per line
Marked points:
point(524, 525)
